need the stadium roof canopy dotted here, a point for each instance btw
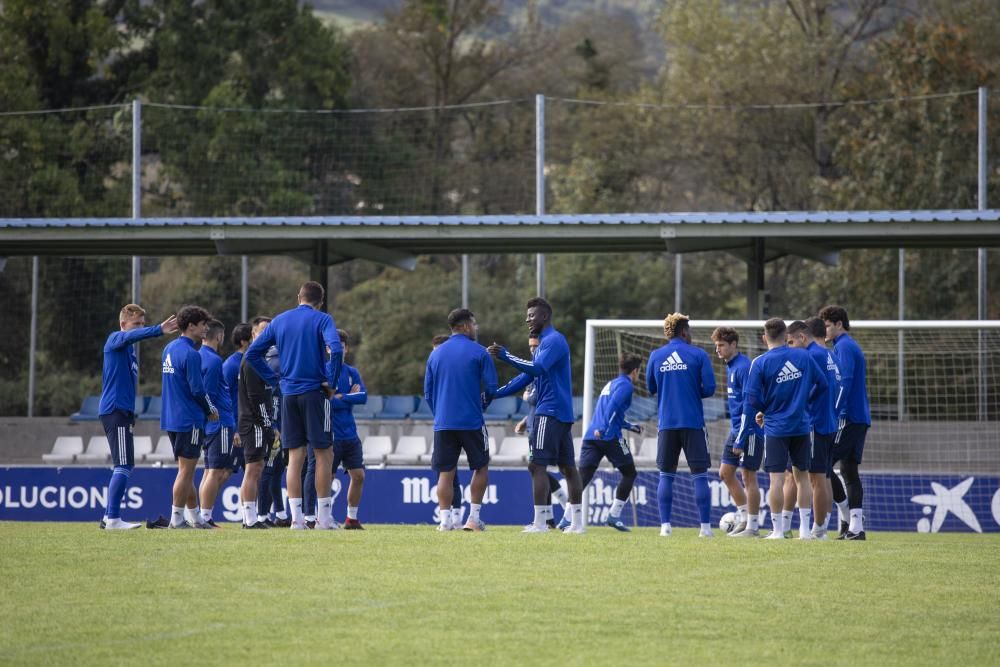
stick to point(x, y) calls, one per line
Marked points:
point(397, 240)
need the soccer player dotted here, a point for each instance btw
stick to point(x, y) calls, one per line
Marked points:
point(456, 488)
point(186, 406)
point(746, 456)
point(781, 383)
point(551, 439)
point(854, 416)
point(117, 407)
point(605, 438)
point(530, 397)
point(219, 435)
point(240, 337)
point(680, 375)
point(458, 376)
point(303, 335)
point(347, 451)
point(812, 333)
point(256, 432)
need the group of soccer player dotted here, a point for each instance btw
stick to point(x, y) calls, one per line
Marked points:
point(283, 400)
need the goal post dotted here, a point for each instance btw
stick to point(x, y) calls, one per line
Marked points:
point(934, 390)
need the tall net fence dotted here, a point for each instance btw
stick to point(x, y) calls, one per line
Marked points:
point(934, 391)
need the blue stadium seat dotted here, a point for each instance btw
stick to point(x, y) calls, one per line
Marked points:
point(140, 405)
point(501, 408)
point(369, 409)
point(643, 409)
point(397, 407)
point(523, 407)
point(577, 407)
point(88, 410)
point(715, 408)
point(152, 410)
point(423, 410)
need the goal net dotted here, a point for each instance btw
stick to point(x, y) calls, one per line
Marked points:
point(934, 390)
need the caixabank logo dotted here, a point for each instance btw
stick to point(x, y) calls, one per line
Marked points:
point(945, 501)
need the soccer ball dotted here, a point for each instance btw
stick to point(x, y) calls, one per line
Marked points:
point(727, 522)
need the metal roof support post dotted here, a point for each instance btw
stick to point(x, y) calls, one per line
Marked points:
point(319, 272)
point(244, 287)
point(901, 353)
point(465, 281)
point(33, 336)
point(540, 185)
point(755, 280)
point(678, 281)
point(981, 197)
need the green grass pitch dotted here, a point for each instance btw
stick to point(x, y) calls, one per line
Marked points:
point(410, 595)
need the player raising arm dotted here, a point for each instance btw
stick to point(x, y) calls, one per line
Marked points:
point(117, 407)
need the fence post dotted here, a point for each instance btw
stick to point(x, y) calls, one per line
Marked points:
point(465, 281)
point(901, 355)
point(244, 287)
point(981, 201)
point(136, 209)
point(540, 184)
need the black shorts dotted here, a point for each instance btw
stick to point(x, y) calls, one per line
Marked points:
point(448, 446)
point(551, 442)
point(616, 451)
point(118, 428)
point(694, 443)
point(305, 420)
point(821, 453)
point(849, 443)
point(779, 451)
point(186, 444)
point(256, 442)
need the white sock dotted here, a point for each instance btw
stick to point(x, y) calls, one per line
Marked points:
point(778, 522)
point(761, 517)
point(309, 517)
point(741, 513)
point(474, 510)
point(561, 497)
point(295, 505)
point(706, 528)
point(176, 515)
point(857, 521)
point(665, 527)
point(250, 512)
point(324, 510)
point(206, 514)
point(540, 511)
point(786, 519)
point(843, 511)
point(352, 512)
point(456, 516)
point(752, 522)
point(191, 516)
point(445, 517)
point(826, 523)
point(575, 515)
point(616, 508)
point(805, 521)
point(282, 514)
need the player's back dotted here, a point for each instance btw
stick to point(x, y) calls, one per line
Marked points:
point(458, 371)
point(181, 373)
point(231, 374)
point(299, 337)
point(120, 368)
point(824, 415)
point(554, 387)
point(786, 378)
point(680, 374)
point(609, 411)
point(342, 411)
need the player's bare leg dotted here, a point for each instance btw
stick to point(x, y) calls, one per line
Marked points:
point(324, 484)
point(354, 489)
point(749, 478)
point(248, 491)
point(574, 488)
point(293, 479)
point(821, 498)
point(727, 473)
point(805, 499)
point(776, 499)
point(446, 492)
point(480, 480)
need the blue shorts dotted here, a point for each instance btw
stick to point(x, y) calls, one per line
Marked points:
point(692, 441)
point(118, 428)
point(219, 449)
point(186, 444)
point(305, 420)
point(849, 443)
point(753, 455)
point(617, 451)
point(822, 450)
point(349, 454)
point(779, 450)
point(551, 443)
point(728, 456)
point(448, 446)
